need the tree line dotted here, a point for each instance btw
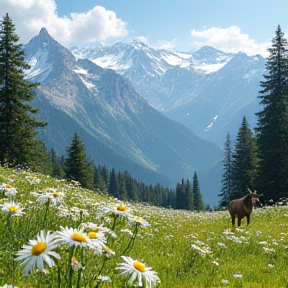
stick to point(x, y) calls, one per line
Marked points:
point(19, 146)
point(258, 159)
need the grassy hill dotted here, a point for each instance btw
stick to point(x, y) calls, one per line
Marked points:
point(185, 249)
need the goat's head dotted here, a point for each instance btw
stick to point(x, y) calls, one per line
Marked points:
point(253, 196)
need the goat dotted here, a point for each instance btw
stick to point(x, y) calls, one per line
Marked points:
point(239, 208)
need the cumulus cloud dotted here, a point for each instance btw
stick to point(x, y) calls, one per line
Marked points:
point(30, 16)
point(228, 40)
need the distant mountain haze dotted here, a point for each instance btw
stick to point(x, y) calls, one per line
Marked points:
point(118, 126)
point(190, 88)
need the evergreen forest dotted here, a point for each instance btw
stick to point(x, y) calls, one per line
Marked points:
point(257, 159)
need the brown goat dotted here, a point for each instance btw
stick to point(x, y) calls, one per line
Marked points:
point(242, 207)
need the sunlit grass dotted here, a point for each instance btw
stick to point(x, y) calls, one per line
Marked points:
point(186, 249)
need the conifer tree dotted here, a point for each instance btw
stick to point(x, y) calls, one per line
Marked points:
point(122, 187)
point(272, 125)
point(198, 202)
point(99, 183)
point(113, 185)
point(190, 197)
point(226, 189)
point(18, 145)
point(57, 165)
point(244, 161)
point(77, 165)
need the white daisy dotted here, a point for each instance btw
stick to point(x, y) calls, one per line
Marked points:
point(73, 237)
point(13, 208)
point(8, 190)
point(117, 210)
point(135, 220)
point(138, 272)
point(53, 197)
point(38, 251)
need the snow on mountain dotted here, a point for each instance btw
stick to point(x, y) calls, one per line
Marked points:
point(190, 88)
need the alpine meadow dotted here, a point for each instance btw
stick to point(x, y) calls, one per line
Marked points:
point(69, 219)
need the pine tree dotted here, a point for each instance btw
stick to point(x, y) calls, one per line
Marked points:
point(113, 185)
point(57, 165)
point(272, 125)
point(99, 183)
point(226, 189)
point(198, 202)
point(77, 166)
point(189, 195)
point(244, 161)
point(18, 145)
point(122, 187)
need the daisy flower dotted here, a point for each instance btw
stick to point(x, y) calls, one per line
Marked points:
point(9, 190)
point(13, 208)
point(135, 220)
point(138, 272)
point(53, 197)
point(118, 210)
point(38, 251)
point(73, 237)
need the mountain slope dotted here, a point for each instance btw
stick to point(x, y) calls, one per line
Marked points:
point(190, 88)
point(76, 95)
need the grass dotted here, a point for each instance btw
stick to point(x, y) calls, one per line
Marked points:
point(186, 249)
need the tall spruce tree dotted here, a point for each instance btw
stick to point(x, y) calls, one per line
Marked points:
point(77, 166)
point(244, 161)
point(226, 189)
point(272, 125)
point(18, 145)
point(198, 201)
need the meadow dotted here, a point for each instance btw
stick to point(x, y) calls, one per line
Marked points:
point(85, 233)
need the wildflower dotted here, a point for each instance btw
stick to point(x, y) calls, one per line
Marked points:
point(236, 275)
point(73, 237)
point(13, 208)
point(109, 252)
point(137, 270)
point(76, 265)
point(53, 197)
point(118, 210)
point(215, 263)
point(225, 281)
point(221, 244)
point(134, 220)
point(8, 286)
point(268, 250)
point(8, 190)
point(38, 251)
point(104, 279)
point(271, 266)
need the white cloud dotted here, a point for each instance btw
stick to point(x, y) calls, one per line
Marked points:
point(162, 44)
point(228, 40)
point(30, 16)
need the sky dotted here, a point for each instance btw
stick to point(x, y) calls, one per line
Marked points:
point(182, 25)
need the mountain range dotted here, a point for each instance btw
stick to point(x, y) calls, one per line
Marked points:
point(119, 127)
point(208, 91)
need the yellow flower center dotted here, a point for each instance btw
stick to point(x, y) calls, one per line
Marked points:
point(78, 237)
point(139, 266)
point(92, 235)
point(7, 186)
point(55, 194)
point(121, 208)
point(12, 209)
point(38, 248)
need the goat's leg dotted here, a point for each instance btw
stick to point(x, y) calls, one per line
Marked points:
point(233, 220)
point(239, 221)
point(248, 219)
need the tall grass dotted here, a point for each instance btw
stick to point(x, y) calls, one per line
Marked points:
point(186, 249)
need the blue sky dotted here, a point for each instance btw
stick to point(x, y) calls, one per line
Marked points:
point(183, 25)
